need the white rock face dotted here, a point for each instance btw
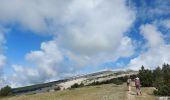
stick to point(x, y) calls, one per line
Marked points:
point(66, 85)
point(94, 77)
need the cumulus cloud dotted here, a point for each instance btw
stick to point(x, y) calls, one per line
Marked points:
point(151, 10)
point(52, 62)
point(95, 30)
point(3, 58)
point(166, 23)
point(32, 15)
point(2, 64)
point(48, 58)
point(23, 75)
point(157, 51)
point(86, 33)
point(152, 35)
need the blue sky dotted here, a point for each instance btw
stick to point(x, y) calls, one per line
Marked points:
point(41, 40)
point(19, 43)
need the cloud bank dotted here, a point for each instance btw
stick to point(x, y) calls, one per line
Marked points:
point(157, 49)
point(86, 33)
point(3, 59)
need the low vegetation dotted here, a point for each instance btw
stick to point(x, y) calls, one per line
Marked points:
point(114, 81)
point(117, 81)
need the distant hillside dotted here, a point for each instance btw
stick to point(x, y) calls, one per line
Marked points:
point(36, 87)
point(68, 82)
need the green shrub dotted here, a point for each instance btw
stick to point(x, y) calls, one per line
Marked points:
point(163, 90)
point(76, 85)
point(6, 91)
point(57, 88)
point(116, 81)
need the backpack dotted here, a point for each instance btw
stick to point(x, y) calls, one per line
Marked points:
point(137, 82)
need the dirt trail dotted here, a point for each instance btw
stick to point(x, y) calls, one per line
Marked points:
point(131, 95)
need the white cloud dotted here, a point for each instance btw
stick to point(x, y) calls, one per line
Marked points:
point(48, 58)
point(166, 23)
point(23, 75)
point(51, 64)
point(42, 15)
point(2, 42)
point(152, 35)
point(157, 53)
point(154, 10)
point(96, 27)
point(87, 33)
point(32, 15)
point(125, 49)
point(3, 59)
point(95, 30)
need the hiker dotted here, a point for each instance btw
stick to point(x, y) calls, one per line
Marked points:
point(137, 84)
point(129, 83)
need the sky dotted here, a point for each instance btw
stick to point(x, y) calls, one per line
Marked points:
point(46, 40)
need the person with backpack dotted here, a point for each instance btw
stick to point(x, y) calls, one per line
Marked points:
point(129, 83)
point(138, 85)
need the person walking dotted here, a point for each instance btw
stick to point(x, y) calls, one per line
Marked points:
point(138, 85)
point(129, 83)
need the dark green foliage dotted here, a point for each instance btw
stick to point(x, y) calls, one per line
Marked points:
point(146, 77)
point(57, 88)
point(159, 78)
point(6, 91)
point(163, 90)
point(81, 85)
point(76, 85)
point(95, 83)
point(166, 73)
point(132, 77)
point(117, 81)
point(158, 82)
point(162, 80)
